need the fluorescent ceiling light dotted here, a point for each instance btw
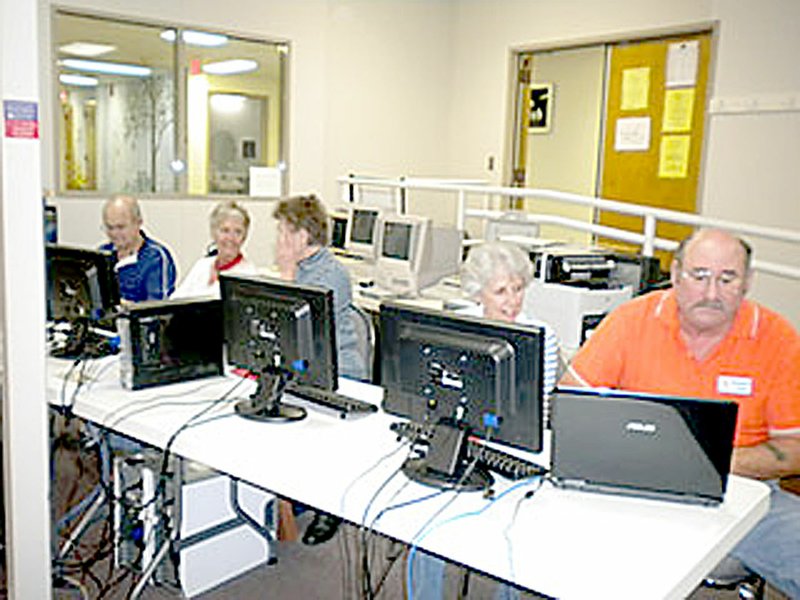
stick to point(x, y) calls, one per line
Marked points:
point(79, 80)
point(108, 68)
point(196, 38)
point(230, 67)
point(228, 103)
point(87, 49)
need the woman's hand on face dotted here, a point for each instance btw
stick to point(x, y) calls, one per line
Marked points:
point(289, 250)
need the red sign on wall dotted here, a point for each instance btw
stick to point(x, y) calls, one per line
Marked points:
point(21, 118)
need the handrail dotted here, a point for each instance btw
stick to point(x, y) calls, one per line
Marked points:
point(650, 215)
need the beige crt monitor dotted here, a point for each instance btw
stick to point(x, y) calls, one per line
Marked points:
point(414, 254)
point(363, 228)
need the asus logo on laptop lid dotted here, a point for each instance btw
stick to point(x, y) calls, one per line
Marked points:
point(642, 444)
point(639, 427)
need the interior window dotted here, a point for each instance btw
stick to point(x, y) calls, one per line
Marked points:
point(147, 108)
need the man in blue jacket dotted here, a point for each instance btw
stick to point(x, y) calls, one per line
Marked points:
point(144, 267)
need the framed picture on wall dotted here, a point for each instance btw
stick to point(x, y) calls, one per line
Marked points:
point(248, 148)
point(540, 114)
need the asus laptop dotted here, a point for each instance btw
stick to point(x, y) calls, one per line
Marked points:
point(641, 444)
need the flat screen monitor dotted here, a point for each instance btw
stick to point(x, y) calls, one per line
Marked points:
point(463, 376)
point(160, 343)
point(362, 234)
point(281, 332)
point(339, 221)
point(81, 284)
point(82, 296)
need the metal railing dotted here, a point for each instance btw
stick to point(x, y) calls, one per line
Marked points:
point(647, 239)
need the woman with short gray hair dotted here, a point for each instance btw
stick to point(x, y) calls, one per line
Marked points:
point(495, 275)
point(491, 264)
point(229, 223)
point(226, 211)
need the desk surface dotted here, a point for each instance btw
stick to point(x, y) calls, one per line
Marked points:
point(561, 543)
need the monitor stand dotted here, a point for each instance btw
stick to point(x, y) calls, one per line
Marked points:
point(446, 465)
point(265, 403)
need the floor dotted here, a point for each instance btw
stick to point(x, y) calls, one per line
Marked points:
point(330, 571)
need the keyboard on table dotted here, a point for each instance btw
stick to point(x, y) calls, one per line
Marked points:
point(499, 461)
point(344, 405)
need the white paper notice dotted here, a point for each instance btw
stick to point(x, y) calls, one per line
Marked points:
point(632, 135)
point(266, 182)
point(682, 64)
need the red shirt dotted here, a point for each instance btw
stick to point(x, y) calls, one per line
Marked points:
point(638, 347)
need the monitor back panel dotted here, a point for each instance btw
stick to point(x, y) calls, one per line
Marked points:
point(645, 445)
point(166, 341)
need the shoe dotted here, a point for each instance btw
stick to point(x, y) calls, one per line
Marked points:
point(731, 574)
point(322, 528)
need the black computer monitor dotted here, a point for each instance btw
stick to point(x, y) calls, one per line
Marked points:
point(339, 222)
point(50, 224)
point(164, 341)
point(280, 332)
point(81, 283)
point(461, 377)
point(82, 292)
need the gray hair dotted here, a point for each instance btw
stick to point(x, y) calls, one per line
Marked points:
point(484, 262)
point(229, 209)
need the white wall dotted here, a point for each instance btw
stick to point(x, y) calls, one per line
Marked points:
point(416, 87)
point(24, 422)
point(752, 172)
point(567, 158)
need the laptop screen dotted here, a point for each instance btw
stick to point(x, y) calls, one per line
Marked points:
point(643, 444)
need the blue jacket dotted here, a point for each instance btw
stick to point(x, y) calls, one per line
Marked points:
point(149, 275)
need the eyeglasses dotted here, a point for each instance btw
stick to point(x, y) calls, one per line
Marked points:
point(701, 277)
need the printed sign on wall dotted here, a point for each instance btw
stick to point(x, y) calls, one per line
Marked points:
point(22, 119)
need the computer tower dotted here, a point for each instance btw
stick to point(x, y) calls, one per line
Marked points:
point(572, 311)
point(144, 513)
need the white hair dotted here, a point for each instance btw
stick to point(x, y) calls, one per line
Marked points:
point(484, 262)
point(228, 209)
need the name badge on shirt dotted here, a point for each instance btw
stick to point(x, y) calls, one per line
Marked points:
point(736, 386)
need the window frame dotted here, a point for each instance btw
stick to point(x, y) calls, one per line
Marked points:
point(282, 46)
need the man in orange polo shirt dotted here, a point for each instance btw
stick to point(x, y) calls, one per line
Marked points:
point(703, 339)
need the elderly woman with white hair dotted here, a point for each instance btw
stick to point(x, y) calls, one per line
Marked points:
point(229, 223)
point(495, 275)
